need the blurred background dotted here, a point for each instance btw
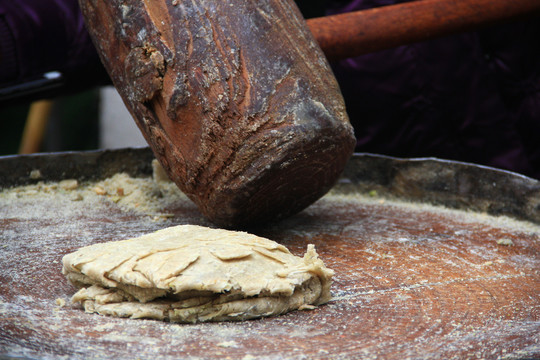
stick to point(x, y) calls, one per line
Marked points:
point(87, 120)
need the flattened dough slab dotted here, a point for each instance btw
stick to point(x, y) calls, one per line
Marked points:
point(192, 274)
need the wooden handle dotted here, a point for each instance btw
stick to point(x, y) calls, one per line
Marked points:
point(361, 32)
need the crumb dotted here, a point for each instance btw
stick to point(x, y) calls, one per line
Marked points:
point(76, 197)
point(505, 242)
point(70, 184)
point(60, 302)
point(162, 217)
point(158, 173)
point(100, 191)
point(228, 344)
point(35, 174)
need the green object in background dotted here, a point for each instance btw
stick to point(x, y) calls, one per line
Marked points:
point(12, 121)
point(73, 125)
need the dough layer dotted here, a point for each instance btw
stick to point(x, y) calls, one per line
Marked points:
point(190, 273)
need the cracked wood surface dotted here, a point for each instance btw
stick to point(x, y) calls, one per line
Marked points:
point(410, 280)
point(235, 98)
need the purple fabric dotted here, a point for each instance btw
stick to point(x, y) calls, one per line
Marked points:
point(471, 97)
point(47, 35)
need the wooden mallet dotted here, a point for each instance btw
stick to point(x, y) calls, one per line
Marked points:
point(236, 98)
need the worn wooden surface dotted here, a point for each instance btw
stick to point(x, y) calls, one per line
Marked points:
point(235, 98)
point(411, 281)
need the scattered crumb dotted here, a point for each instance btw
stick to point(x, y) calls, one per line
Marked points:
point(100, 191)
point(76, 197)
point(228, 344)
point(162, 217)
point(158, 173)
point(505, 242)
point(70, 184)
point(35, 174)
point(60, 302)
point(142, 195)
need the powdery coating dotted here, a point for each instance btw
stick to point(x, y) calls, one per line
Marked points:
point(399, 266)
point(191, 273)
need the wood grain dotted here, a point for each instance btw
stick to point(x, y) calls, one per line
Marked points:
point(411, 280)
point(235, 98)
